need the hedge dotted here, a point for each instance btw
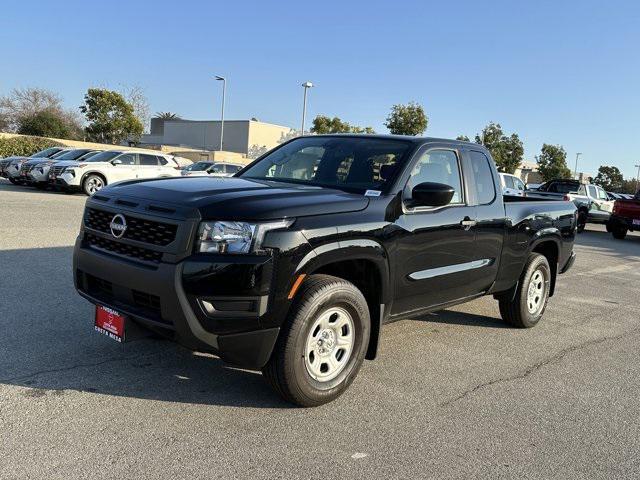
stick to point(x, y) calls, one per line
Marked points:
point(24, 146)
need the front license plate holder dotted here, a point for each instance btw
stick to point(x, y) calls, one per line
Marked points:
point(110, 323)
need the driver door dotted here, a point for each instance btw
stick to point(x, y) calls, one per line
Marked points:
point(434, 246)
point(126, 169)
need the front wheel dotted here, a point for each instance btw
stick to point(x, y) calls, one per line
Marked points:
point(532, 293)
point(322, 343)
point(92, 184)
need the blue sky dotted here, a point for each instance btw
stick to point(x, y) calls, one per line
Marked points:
point(557, 72)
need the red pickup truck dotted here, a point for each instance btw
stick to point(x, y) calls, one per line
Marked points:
point(625, 217)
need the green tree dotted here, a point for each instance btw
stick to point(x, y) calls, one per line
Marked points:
point(507, 151)
point(462, 138)
point(323, 124)
point(552, 162)
point(111, 118)
point(609, 178)
point(409, 119)
point(46, 123)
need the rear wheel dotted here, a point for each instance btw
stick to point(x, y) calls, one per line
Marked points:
point(322, 344)
point(92, 184)
point(619, 232)
point(12, 180)
point(532, 293)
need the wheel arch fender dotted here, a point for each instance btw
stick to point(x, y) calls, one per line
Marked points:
point(363, 262)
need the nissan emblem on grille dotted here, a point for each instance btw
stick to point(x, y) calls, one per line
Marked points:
point(118, 225)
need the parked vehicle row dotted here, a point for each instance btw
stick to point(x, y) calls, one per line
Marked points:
point(89, 170)
point(292, 266)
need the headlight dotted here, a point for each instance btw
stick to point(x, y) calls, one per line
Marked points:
point(234, 237)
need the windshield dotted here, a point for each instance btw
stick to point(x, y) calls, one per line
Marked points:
point(342, 162)
point(104, 156)
point(71, 155)
point(46, 153)
point(199, 166)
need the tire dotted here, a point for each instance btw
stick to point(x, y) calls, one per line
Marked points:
point(12, 180)
point(92, 184)
point(619, 233)
point(524, 311)
point(582, 220)
point(40, 186)
point(307, 372)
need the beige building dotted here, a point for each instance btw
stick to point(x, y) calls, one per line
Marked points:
point(240, 136)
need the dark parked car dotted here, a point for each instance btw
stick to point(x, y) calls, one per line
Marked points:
point(292, 266)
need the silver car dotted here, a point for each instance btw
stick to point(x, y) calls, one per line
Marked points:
point(207, 168)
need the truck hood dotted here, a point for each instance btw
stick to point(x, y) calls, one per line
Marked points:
point(239, 199)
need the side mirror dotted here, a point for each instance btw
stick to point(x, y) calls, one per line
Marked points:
point(429, 194)
point(116, 162)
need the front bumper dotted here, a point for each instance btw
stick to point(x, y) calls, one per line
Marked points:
point(202, 303)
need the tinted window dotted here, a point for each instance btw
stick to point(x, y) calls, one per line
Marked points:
point(233, 168)
point(72, 155)
point(348, 162)
point(217, 169)
point(563, 187)
point(86, 156)
point(46, 153)
point(199, 166)
point(162, 160)
point(483, 177)
point(592, 191)
point(438, 166)
point(127, 158)
point(147, 159)
point(104, 156)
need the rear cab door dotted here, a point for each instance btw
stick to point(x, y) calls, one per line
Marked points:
point(148, 166)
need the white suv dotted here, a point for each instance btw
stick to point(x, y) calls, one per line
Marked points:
point(112, 166)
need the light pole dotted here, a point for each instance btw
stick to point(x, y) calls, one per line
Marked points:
point(575, 172)
point(307, 86)
point(224, 91)
point(638, 177)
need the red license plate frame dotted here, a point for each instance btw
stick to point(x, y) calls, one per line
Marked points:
point(110, 323)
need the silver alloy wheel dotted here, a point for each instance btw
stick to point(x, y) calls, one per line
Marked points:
point(329, 344)
point(536, 291)
point(94, 183)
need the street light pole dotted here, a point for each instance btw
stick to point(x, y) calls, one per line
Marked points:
point(575, 172)
point(224, 91)
point(638, 177)
point(307, 86)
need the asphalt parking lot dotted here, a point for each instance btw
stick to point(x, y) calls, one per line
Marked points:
point(453, 394)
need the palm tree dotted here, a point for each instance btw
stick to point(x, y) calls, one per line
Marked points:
point(167, 115)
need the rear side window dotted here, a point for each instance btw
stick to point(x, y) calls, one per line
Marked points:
point(232, 169)
point(483, 178)
point(148, 159)
point(162, 160)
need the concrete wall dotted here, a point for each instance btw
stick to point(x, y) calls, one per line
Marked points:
point(266, 134)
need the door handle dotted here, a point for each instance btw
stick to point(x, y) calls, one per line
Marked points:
point(467, 223)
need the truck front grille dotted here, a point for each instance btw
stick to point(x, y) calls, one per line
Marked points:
point(138, 229)
point(124, 249)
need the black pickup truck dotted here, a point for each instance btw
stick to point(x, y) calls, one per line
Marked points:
point(292, 265)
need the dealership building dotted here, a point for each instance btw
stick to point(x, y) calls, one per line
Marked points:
point(240, 136)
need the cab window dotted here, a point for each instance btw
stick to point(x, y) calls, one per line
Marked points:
point(519, 184)
point(483, 177)
point(437, 166)
point(508, 181)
